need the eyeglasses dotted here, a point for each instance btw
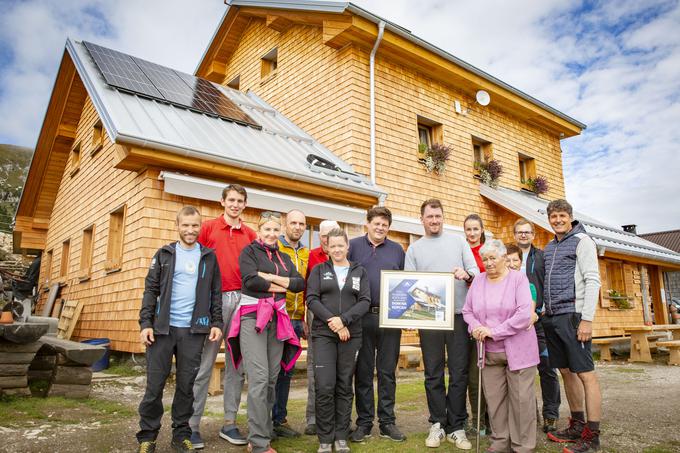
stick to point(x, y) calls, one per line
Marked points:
point(268, 214)
point(524, 233)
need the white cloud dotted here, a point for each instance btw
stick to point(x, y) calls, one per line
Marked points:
point(613, 65)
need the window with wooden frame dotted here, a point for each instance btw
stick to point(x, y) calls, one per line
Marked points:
point(235, 83)
point(97, 138)
point(75, 158)
point(86, 249)
point(615, 278)
point(65, 250)
point(527, 169)
point(114, 249)
point(429, 133)
point(482, 153)
point(269, 63)
point(47, 266)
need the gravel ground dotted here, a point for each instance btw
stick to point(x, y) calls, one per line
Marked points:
point(640, 404)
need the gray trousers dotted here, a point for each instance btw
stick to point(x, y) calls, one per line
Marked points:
point(262, 361)
point(233, 379)
point(511, 401)
point(310, 412)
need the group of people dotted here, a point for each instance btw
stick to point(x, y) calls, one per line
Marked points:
point(517, 309)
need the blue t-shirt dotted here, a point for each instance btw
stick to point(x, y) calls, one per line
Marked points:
point(184, 285)
point(341, 274)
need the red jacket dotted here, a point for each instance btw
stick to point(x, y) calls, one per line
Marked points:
point(227, 241)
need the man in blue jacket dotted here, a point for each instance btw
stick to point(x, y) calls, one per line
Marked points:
point(181, 305)
point(572, 287)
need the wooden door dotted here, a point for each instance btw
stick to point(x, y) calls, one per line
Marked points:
point(658, 301)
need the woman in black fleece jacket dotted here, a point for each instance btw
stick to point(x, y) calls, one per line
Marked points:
point(338, 294)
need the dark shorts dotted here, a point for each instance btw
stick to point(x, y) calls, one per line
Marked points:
point(564, 349)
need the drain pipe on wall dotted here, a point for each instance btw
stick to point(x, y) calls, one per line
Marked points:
point(381, 30)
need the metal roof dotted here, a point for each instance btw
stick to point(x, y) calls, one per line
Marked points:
point(279, 148)
point(669, 239)
point(341, 7)
point(606, 237)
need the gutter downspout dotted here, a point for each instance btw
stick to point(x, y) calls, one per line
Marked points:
point(381, 30)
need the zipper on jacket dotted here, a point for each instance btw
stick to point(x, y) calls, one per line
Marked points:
point(552, 263)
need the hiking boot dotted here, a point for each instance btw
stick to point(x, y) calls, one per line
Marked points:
point(233, 435)
point(590, 442)
point(549, 425)
point(182, 446)
point(360, 434)
point(459, 439)
point(571, 433)
point(310, 430)
point(435, 436)
point(197, 440)
point(147, 447)
point(325, 448)
point(341, 446)
point(392, 432)
point(283, 430)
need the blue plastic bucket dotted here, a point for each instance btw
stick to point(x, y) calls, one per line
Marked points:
point(102, 363)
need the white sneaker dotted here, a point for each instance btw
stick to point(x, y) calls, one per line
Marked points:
point(435, 437)
point(459, 439)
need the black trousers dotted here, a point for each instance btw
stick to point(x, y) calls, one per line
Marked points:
point(334, 364)
point(187, 348)
point(446, 408)
point(386, 343)
point(550, 384)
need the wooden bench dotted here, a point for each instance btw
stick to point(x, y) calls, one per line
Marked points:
point(215, 383)
point(674, 349)
point(605, 344)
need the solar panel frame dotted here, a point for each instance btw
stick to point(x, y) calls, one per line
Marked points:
point(167, 85)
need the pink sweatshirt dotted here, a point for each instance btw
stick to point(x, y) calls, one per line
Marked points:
point(505, 308)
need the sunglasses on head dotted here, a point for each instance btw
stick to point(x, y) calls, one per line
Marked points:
point(268, 214)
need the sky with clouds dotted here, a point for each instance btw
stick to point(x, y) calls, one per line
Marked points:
point(614, 65)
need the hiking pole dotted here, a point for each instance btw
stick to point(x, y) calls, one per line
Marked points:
point(481, 358)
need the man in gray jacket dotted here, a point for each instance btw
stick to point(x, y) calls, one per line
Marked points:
point(572, 285)
point(440, 251)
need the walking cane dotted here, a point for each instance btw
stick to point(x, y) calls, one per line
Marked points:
point(481, 358)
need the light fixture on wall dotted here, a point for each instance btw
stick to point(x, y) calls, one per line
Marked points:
point(481, 97)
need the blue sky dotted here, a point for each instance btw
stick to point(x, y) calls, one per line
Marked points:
point(614, 65)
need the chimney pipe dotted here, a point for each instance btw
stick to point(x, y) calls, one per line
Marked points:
point(630, 228)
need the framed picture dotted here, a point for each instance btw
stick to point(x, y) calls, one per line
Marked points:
point(416, 300)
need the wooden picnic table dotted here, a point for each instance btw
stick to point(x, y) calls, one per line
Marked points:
point(639, 343)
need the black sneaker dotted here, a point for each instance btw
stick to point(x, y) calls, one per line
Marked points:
point(283, 430)
point(590, 442)
point(182, 446)
point(360, 434)
point(392, 432)
point(571, 433)
point(147, 447)
point(549, 425)
point(310, 430)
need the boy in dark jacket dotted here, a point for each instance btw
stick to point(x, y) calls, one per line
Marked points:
point(181, 305)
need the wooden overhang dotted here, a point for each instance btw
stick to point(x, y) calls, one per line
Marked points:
point(54, 144)
point(340, 30)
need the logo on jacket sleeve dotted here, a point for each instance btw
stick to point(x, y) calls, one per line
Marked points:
point(203, 321)
point(356, 283)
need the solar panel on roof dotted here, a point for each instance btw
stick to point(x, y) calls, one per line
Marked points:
point(159, 82)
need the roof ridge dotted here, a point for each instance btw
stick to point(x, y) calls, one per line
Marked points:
point(677, 230)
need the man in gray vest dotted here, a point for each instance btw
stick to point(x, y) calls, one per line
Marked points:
point(572, 286)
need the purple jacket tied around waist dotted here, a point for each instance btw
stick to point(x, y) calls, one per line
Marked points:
point(265, 310)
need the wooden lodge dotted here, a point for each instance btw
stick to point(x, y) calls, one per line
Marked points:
point(112, 167)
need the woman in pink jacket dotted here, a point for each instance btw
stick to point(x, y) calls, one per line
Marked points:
point(498, 310)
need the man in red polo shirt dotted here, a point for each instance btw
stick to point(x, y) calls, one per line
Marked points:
point(227, 235)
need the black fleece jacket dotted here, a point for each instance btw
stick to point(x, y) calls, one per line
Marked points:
point(536, 273)
point(155, 311)
point(256, 257)
point(326, 300)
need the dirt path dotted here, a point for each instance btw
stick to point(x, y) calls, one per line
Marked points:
point(641, 407)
